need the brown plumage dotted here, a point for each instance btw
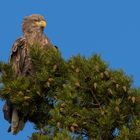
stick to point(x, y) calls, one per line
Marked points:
point(33, 27)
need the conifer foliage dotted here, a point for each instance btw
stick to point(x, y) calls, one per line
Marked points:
point(79, 98)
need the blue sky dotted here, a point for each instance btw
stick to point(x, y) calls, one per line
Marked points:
point(110, 28)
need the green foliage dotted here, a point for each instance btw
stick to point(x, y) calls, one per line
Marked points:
point(72, 96)
point(36, 136)
point(63, 135)
point(131, 133)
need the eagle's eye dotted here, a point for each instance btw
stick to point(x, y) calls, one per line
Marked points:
point(36, 20)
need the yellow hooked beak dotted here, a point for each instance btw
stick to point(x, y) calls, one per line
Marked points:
point(41, 24)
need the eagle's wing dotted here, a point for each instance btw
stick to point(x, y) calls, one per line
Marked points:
point(17, 55)
point(7, 111)
point(16, 60)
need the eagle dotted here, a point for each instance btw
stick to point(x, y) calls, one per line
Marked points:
point(33, 32)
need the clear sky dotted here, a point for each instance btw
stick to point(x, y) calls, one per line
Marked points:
point(110, 28)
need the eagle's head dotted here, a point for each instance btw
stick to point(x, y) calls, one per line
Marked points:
point(33, 23)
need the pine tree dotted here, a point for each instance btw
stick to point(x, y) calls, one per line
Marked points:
point(79, 98)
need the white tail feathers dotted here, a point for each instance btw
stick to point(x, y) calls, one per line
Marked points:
point(15, 121)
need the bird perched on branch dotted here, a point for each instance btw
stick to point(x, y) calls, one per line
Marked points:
point(33, 27)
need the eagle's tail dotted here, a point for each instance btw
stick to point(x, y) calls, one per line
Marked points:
point(15, 121)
